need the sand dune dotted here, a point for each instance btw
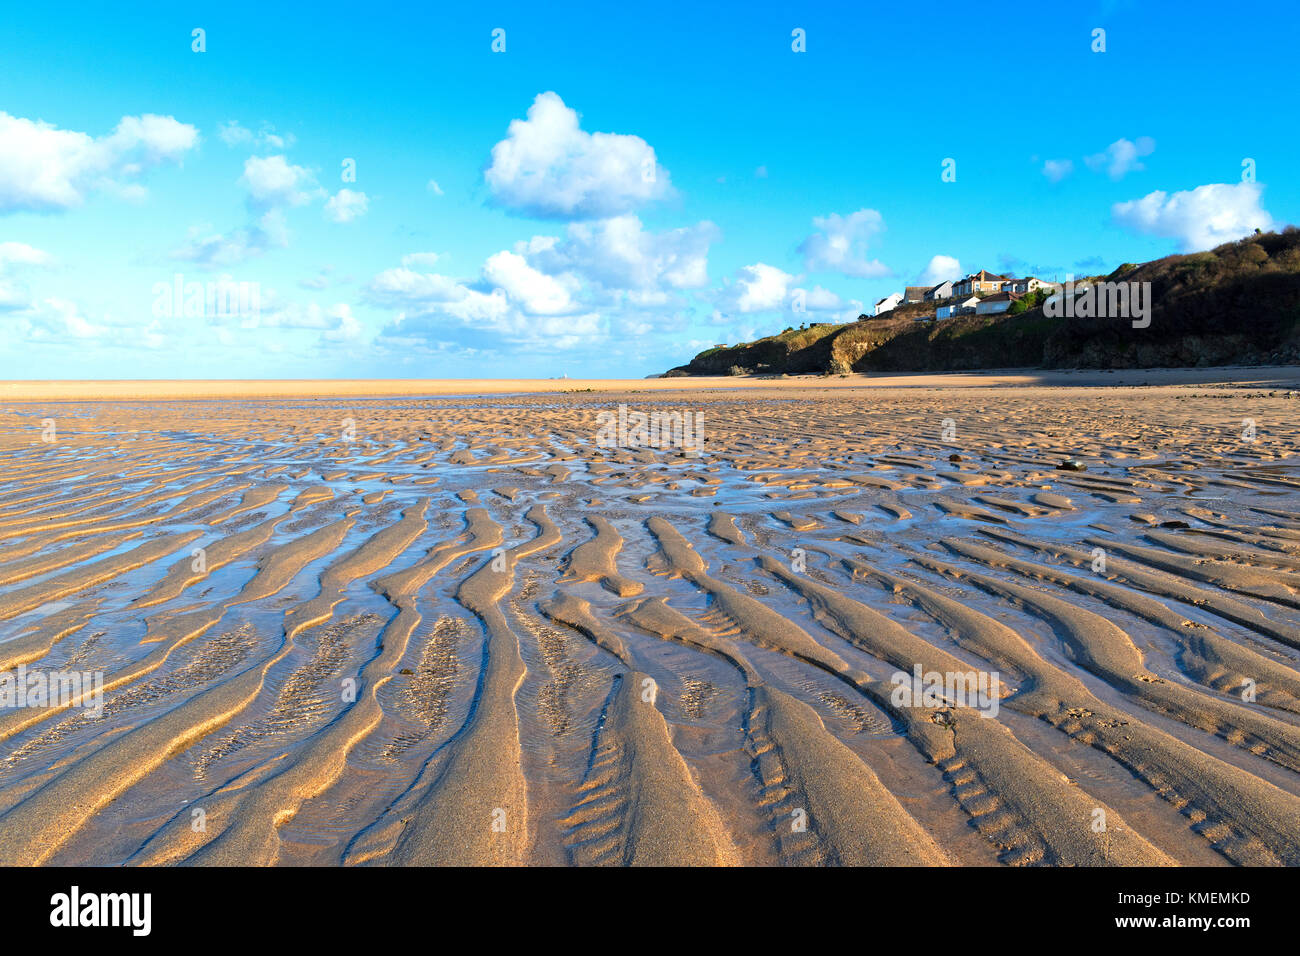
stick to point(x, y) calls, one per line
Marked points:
point(352, 626)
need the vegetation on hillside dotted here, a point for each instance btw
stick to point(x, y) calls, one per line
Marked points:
point(1238, 304)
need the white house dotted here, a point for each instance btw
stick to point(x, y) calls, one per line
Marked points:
point(1029, 284)
point(998, 302)
point(957, 307)
point(939, 292)
point(889, 302)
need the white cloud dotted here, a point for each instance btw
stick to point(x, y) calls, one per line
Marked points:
point(233, 134)
point(940, 269)
point(1057, 169)
point(536, 293)
point(13, 257)
point(272, 184)
point(298, 316)
point(19, 253)
point(273, 181)
point(601, 286)
point(548, 167)
point(346, 205)
point(840, 245)
point(1199, 219)
point(13, 295)
point(434, 188)
point(61, 318)
point(1122, 156)
point(619, 253)
point(44, 168)
point(818, 299)
point(408, 288)
point(213, 249)
point(511, 307)
point(347, 329)
point(757, 288)
point(57, 321)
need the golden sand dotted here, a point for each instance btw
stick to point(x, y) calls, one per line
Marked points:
point(374, 623)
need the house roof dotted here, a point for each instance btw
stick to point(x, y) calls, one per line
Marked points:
point(1003, 297)
point(985, 276)
point(892, 295)
point(916, 290)
point(940, 285)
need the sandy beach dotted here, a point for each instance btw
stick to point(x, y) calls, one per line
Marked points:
point(375, 623)
point(1287, 376)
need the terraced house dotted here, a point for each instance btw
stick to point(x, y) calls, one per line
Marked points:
point(1029, 284)
point(980, 283)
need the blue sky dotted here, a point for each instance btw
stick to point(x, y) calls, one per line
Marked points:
point(615, 191)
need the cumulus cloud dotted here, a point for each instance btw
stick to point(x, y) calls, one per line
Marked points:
point(61, 318)
point(1200, 218)
point(44, 168)
point(14, 257)
point(535, 292)
point(298, 316)
point(437, 312)
point(346, 205)
point(840, 245)
point(549, 293)
point(60, 322)
point(821, 300)
point(398, 288)
point(272, 184)
point(619, 253)
point(233, 134)
point(757, 288)
point(211, 250)
point(548, 167)
point(1121, 157)
point(274, 181)
point(1057, 169)
point(348, 329)
point(940, 269)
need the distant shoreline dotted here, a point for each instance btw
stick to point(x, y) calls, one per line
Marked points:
point(1272, 377)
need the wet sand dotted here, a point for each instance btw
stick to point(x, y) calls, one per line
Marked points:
point(395, 630)
point(1287, 376)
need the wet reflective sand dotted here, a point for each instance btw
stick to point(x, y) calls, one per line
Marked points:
point(396, 631)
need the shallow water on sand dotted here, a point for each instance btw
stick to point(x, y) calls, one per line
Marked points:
point(402, 631)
